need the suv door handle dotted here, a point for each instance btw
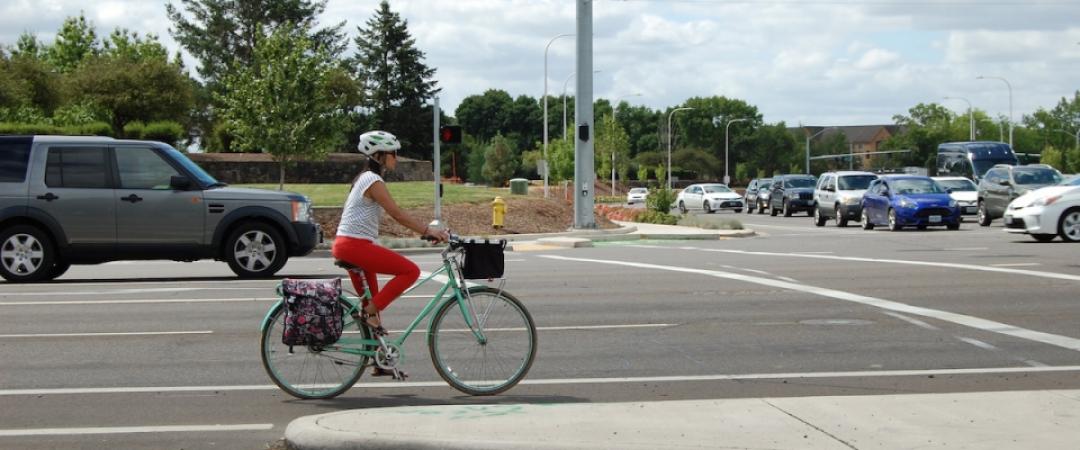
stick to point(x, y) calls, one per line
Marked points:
point(49, 196)
point(131, 198)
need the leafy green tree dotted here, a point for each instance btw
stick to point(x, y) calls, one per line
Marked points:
point(222, 34)
point(123, 44)
point(610, 138)
point(75, 42)
point(695, 164)
point(499, 161)
point(127, 90)
point(397, 83)
point(925, 126)
point(774, 149)
point(28, 46)
point(1054, 157)
point(485, 115)
point(561, 156)
point(1072, 158)
point(643, 173)
point(27, 82)
point(661, 174)
point(281, 104)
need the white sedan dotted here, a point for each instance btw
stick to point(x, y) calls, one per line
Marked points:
point(964, 191)
point(636, 195)
point(708, 198)
point(1047, 212)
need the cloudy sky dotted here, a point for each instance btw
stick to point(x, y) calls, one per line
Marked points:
point(816, 62)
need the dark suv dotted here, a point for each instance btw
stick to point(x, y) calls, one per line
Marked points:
point(1003, 183)
point(88, 200)
point(753, 198)
point(792, 193)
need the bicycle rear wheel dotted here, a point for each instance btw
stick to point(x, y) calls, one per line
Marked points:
point(308, 372)
point(483, 367)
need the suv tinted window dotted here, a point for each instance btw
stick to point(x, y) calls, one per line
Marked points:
point(77, 167)
point(14, 157)
point(142, 168)
point(799, 183)
point(854, 182)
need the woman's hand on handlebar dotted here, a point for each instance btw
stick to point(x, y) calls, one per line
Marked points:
point(436, 236)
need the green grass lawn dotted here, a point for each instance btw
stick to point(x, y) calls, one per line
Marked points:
point(408, 194)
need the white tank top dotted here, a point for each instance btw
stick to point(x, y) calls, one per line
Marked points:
point(360, 218)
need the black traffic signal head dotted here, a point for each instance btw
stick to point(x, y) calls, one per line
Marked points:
point(450, 134)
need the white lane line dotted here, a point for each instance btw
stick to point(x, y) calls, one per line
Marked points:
point(889, 305)
point(1032, 273)
point(1016, 265)
point(130, 291)
point(788, 279)
point(978, 343)
point(129, 430)
point(815, 253)
point(109, 334)
point(563, 381)
point(911, 320)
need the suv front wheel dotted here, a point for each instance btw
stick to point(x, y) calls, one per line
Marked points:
point(255, 250)
point(26, 254)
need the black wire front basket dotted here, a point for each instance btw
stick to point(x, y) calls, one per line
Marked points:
point(483, 259)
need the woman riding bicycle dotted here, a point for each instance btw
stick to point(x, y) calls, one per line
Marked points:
point(359, 228)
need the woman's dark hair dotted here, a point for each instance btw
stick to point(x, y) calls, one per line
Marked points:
point(370, 165)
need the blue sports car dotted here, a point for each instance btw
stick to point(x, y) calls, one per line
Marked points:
point(898, 201)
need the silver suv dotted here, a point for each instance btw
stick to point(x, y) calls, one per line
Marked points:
point(838, 196)
point(88, 200)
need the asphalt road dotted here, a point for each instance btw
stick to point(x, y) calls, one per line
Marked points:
point(165, 355)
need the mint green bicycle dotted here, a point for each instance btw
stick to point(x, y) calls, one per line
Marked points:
point(482, 340)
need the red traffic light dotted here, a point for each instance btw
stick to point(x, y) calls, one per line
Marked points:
point(450, 134)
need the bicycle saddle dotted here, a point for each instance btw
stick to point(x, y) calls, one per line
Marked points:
point(345, 265)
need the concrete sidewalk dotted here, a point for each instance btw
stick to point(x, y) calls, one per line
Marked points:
point(990, 420)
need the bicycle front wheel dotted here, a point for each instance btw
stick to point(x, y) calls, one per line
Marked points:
point(311, 372)
point(491, 356)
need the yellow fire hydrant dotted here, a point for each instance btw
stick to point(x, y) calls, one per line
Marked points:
point(498, 212)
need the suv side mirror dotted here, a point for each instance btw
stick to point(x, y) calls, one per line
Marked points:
point(179, 183)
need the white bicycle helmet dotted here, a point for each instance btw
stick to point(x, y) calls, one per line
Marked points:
point(373, 142)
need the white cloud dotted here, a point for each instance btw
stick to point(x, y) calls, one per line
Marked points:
point(876, 59)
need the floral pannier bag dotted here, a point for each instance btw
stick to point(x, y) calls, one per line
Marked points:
point(312, 311)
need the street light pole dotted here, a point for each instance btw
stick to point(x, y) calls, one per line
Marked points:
point(980, 77)
point(727, 128)
point(808, 139)
point(971, 116)
point(669, 143)
point(546, 168)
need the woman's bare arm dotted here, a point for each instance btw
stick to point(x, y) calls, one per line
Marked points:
point(381, 195)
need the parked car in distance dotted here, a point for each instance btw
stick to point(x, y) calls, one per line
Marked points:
point(838, 196)
point(753, 198)
point(87, 200)
point(1047, 212)
point(897, 201)
point(964, 191)
point(792, 193)
point(709, 198)
point(972, 159)
point(1003, 183)
point(636, 195)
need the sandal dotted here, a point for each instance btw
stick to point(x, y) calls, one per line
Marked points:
point(377, 329)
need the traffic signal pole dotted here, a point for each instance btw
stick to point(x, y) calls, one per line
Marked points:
point(436, 164)
point(584, 172)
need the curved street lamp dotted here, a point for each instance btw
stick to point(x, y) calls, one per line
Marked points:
point(546, 169)
point(971, 116)
point(980, 77)
point(669, 143)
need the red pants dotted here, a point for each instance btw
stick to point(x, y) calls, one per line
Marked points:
point(375, 259)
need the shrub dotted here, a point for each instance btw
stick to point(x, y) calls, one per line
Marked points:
point(610, 199)
point(168, 132)
point(90, 129)
point(134, 130)
point(651, 216)
point(660, 200)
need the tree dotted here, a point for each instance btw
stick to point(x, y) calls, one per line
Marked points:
point(28, 46)
point(485, 115)
point(499, 161)
point(222, 34)
point(123, 44)
point(610, 138)
point(774, 149)
point(132, 90)
point(1054, 157)
point(75, 42)
point(281, 105)
point(397, 83)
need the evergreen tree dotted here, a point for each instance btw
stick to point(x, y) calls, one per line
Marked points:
point(499, 161)
point(397, 83)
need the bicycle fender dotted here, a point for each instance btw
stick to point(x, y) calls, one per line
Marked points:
point(270, 312)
